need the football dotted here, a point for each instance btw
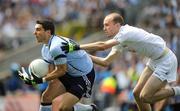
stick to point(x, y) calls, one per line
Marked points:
point(38, 67)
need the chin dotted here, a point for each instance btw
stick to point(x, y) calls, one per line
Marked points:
point(109, 36)
point(38, 41)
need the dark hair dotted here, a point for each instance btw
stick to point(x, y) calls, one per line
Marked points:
point(117, 18)
point(47, 25)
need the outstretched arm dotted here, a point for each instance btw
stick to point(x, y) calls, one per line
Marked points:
point(107, 60)
point(100, 45)
point(96, 46)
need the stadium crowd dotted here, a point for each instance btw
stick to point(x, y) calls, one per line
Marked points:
point(79, 19)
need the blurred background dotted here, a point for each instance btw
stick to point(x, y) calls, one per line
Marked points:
point(82, 20)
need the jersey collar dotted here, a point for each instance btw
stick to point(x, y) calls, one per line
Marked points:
point(50, 40)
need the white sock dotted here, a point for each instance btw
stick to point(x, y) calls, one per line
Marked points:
point(176, 90)
point(82, 107)
point(47, 107)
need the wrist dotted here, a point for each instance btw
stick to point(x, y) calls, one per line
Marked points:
point(77, 47)
point(43, 79)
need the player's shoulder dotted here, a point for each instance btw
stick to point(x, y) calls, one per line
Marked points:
point(127, 28)
point(56, 43)
point(57, 40)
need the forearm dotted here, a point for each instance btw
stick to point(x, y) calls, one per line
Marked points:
point(97, 46)
point(99, 61)
point(107, 60)
point(54, 74)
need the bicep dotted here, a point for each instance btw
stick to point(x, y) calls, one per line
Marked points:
point(110, 43)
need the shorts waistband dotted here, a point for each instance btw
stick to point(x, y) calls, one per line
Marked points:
point(166, 50)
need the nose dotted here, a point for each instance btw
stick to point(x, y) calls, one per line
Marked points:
point(34, 32)
point(104, 28)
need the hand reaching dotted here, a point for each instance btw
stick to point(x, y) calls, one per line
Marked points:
point(25, 77)
point(69, 46)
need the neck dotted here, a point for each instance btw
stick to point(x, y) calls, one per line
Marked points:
point(48, 41)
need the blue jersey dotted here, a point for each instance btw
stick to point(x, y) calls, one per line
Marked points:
point(78, 62)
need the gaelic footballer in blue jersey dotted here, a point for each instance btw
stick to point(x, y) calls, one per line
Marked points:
point(71, 75)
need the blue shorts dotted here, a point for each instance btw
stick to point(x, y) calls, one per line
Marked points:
point(79, 86)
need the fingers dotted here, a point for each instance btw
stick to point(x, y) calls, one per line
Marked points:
point(28, 81)
point(21, 75)
point(63, 48)
point(23, 70)
point(64, 43)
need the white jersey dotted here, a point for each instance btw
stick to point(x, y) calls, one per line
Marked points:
point(138, 40)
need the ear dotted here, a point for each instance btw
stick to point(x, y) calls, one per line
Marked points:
point(118, 25)
point(49, 32)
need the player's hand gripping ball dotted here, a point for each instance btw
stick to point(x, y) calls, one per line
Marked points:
point(39, 68)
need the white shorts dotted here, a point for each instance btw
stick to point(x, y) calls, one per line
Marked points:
point(164, 68)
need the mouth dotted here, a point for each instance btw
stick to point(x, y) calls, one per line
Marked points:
point(37, 37)
point(106, 33)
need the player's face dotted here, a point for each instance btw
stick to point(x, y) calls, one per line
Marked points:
point(110, 28)
point(40, 33)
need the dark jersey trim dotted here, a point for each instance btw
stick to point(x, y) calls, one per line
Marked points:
point(59, 56)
